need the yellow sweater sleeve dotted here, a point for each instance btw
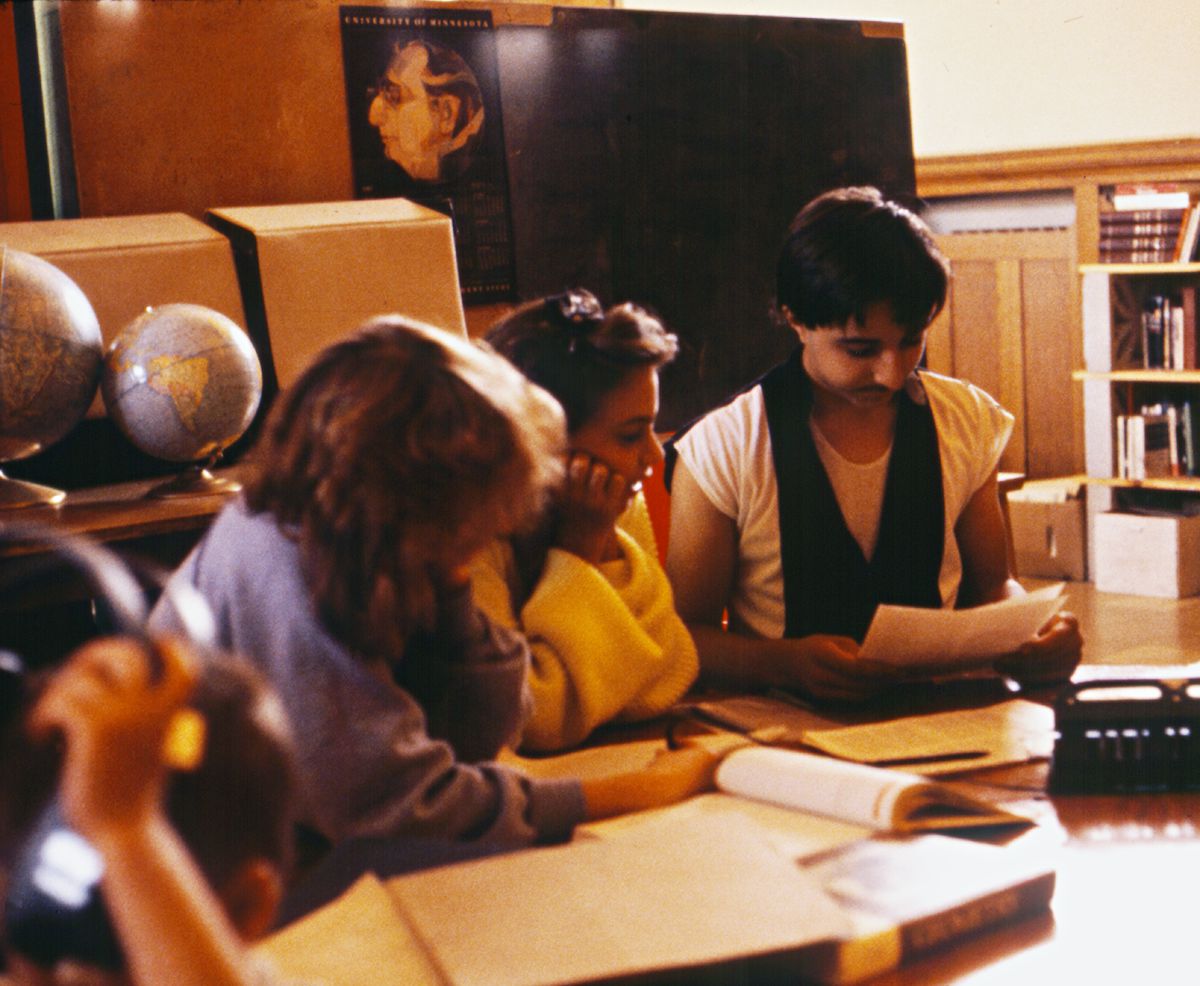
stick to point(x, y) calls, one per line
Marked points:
point(605, 642)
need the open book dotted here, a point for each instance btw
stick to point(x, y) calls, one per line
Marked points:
point(875, 797)
point(699, 899)
point(868, 798)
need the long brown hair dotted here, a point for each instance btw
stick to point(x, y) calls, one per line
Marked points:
point(397, 453)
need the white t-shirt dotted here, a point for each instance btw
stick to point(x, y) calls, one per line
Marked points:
point(729, 453)
point(859, 488)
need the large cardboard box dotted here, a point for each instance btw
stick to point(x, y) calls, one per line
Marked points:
point(311, 273)
point(126, 263)
point(1049, 525)
point(1147, 555)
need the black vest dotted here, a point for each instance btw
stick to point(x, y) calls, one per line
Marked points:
point(828, 585)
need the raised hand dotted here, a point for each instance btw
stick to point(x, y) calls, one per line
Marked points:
point(114, 719)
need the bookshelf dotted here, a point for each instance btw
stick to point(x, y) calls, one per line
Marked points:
point(1117, 302)
point(1115, 380)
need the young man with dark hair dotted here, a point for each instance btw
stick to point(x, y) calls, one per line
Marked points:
point(848, 476)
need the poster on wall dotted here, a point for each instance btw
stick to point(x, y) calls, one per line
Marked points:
point(423, 100)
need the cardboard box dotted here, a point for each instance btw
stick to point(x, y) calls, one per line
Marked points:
point(125, 263)
point(1049, 532)
point(311, 273)
point(1147, 555)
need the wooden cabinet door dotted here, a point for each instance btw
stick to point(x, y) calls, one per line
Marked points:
point(1011, 326)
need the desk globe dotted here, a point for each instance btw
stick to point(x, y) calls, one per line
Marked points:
point(50, 358)
point(182, 382)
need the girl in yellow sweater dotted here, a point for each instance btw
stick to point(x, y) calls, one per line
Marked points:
point(586, 586)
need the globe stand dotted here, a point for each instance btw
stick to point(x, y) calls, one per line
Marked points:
point(16, 493)
point(195, 480)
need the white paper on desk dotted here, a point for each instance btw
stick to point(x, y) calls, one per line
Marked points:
point(1005, 733)
point(957, 639)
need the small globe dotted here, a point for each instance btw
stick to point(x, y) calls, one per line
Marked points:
point(50, 354)
point(182, 382)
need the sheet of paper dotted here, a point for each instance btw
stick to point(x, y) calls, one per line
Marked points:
point(935, 640)
point(360, 939)
point(948, 742)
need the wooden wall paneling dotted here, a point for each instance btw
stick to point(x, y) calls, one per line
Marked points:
point(973, 314)
point(1014, 331)
point(1053, 402)
point(1010, 327)
point(1087, 223)
point(14, 172)
point(263, 121)
point(978, 307)
point(939, 343)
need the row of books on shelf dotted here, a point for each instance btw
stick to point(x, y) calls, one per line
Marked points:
point(1168, 330)
point(1161, 440)
point(1150, 224)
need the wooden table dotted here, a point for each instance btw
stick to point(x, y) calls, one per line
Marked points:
point(1123, 909)
point(118, 513)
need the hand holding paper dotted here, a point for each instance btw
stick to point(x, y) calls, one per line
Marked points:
point(931, 640)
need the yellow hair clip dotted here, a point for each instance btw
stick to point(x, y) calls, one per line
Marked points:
point(183, 746)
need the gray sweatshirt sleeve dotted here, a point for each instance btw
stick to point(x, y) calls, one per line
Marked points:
point(367, 761)
point(470, 677)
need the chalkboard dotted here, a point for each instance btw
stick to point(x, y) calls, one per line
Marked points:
point(660, 157)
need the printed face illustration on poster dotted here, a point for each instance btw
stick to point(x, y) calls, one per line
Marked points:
point(429, 111)
point(422, 94)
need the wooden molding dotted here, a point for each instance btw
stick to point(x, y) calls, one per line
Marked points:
point(882, 29)
point(1058, 168)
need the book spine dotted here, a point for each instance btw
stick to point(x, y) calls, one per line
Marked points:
point(1124, 230)
point(1123, 256)
point(1175, 362)
point(1122, 451)
point(1137, 446)
point(1183, 223)
point(1187, 234)
point(1174, 442)
point(1187, 305)
point(1153, 333)
point(1190, 465)
point(1136, 239)
point(937, 930)
point(1135, 217)
point(1143, 235)
point(886, 950)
